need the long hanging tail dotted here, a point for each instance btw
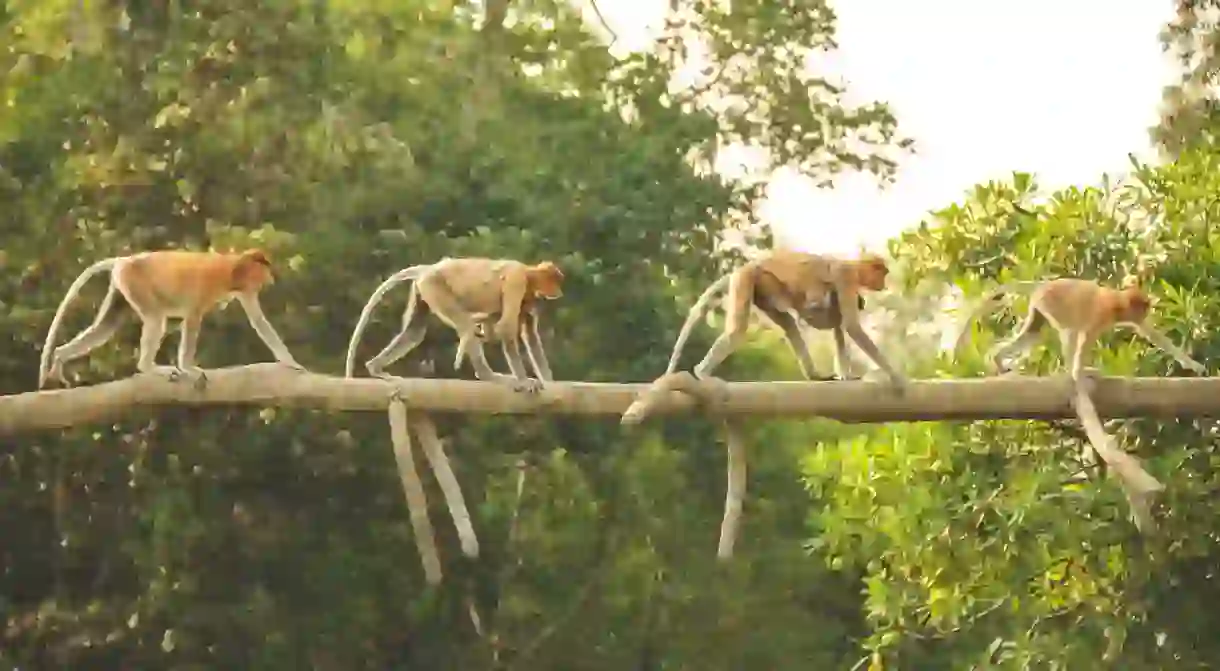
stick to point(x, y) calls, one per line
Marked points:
point(989, 303)
point(697, 310)
point(73, 291)
point(399, 277)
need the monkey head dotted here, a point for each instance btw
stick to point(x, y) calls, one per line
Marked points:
point(546, 280)
point(252, 270)
point(1135, 303)
point(871, 271)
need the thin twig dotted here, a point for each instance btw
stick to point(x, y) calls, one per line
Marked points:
point(605, 24)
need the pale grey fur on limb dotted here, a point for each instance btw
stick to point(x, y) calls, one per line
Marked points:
point(711, 393)
point(425, 430)
point(1137, 484)
point(529, 335)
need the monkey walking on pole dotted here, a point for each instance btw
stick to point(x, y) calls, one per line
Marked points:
point(155, 286)
point(821, 290)
point(1080, 311)
point(463, 292)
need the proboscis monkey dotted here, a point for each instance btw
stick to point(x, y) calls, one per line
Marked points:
point(1080, 311)
point(458, 289)
point(155, 286)
point(783, 284)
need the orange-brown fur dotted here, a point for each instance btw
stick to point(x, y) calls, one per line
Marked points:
point(1081, 311)
point(192, 281)
point(163, 284)
point(787, 286)
point(543, 281)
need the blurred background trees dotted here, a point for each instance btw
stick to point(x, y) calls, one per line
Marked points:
point(355, 137)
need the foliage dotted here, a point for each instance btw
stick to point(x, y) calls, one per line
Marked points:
point(352, 138)
point(979, 544)
point(1189, 111)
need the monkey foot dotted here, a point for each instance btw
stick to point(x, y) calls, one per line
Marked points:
point(198, 378)
point(375, 370)
point(56, 376)
point(528, 385)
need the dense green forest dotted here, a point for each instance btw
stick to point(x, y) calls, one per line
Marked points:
point(352, 138)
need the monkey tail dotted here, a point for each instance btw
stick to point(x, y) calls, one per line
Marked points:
point(698, 309)
point(404, 275)
point(990, 302)
point(72, 293)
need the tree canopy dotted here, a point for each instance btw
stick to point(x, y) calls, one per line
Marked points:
point(352, 138)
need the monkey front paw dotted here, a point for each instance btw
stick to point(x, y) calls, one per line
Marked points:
point(292, 364)
point(528, 385)
point(1197, 367)
point(197, 376)
point(899, 384)
point(171, 373)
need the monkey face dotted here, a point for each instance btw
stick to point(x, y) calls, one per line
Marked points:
point(548, 281)
point(253, 270)
point(1138, 304)
point(872, 274)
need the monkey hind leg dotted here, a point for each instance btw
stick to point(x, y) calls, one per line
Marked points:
point(1020, 344)
point(720, 350)
point(482, 330)
point(741, 297)
point(796, 342)
point(111, 315)
point(414, 328)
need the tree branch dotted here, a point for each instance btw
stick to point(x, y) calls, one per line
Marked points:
point(602, 19)
point(270, 384)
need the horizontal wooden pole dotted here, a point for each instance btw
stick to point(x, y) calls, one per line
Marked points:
point(858, 401)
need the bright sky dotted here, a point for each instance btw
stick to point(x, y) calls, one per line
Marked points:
point(1061, 88)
